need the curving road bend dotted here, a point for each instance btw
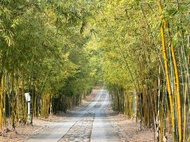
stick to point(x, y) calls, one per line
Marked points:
point(88, 124)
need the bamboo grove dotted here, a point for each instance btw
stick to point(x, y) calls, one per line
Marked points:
point(42, 51)
point(145, 51)
point(58, 50)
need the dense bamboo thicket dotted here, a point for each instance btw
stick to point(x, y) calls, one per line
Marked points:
point(43, 52)
point(58, 50)
point(146, 51)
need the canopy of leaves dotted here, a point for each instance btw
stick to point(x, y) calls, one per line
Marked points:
point(44, 43)
point(59, 45)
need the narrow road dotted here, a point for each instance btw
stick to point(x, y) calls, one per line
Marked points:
point(88, 124)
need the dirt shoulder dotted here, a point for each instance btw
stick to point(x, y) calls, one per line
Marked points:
point(131, 128)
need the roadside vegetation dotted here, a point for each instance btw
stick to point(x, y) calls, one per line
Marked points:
point(58, 50)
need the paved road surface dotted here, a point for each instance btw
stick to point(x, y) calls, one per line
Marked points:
point(88, 124)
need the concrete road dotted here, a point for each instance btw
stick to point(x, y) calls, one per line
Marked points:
point(88, 124)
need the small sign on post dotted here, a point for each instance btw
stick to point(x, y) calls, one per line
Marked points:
point(28, 99)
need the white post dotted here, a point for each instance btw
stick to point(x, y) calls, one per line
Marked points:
point(28, 108)
point(27, 97)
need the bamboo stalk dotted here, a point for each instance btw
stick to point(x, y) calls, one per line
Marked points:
point(185, 113)
point(166, 70)
point(185, 78)
point(4, 101)
point(187, 99)
point(1, 105)
point(161, 117)
point(177, 88)
point(178, 94)
point(23, 101)
point(17, 99)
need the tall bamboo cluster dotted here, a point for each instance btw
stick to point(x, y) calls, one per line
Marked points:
point(43, 52)
point(149, 56)
point(176, 72)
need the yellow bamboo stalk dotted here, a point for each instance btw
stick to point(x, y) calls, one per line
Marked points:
point(178, 94)
point(166, 69)
point(177, 86)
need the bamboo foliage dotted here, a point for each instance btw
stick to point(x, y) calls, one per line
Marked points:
point(121, 23)
point(43, 51)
